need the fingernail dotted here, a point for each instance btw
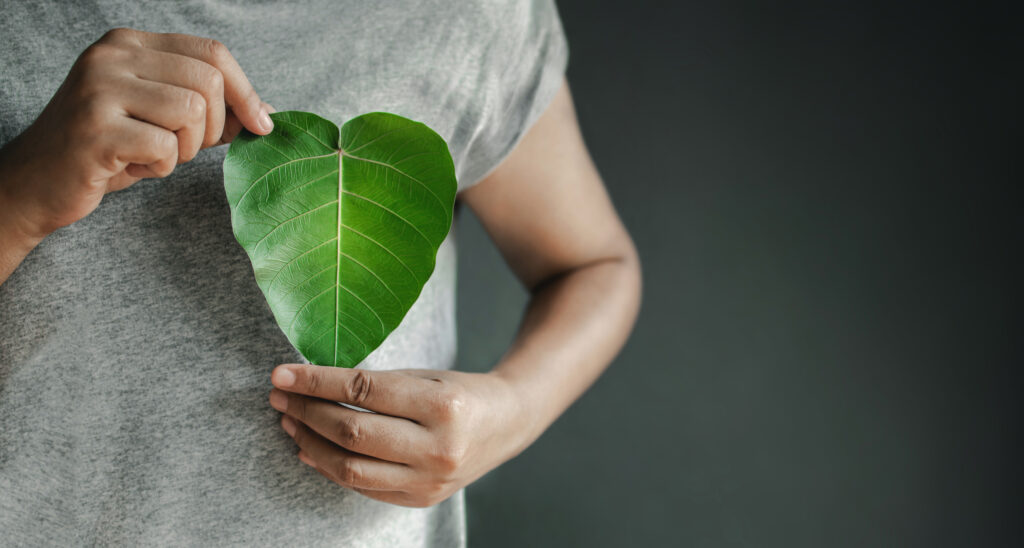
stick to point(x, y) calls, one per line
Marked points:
point(266, 124)
point(278, 401)
point(283, 377)
point(289, 425)
point(305, 458)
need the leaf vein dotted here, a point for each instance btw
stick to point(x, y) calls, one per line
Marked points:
point(295, 287)
point(385, 208)
point(400, 172)
point(271, 170)
point(285, 223)
point(350, 332)
point(303, 307)
point(380, 245)
point(310, 133)
point(307, 183)
point(377, 138)
point(383, 330)
point(374, 274)
point(296, 258)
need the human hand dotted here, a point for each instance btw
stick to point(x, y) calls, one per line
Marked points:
point(432, 433)
point(133, 105)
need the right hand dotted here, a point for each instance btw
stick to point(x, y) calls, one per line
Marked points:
point(133, 106)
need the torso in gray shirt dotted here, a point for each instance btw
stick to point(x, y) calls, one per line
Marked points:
point(135, 346)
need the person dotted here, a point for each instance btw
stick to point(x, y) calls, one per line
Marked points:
point(135, 401)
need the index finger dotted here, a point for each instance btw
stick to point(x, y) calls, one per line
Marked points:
point(387, 392)
point(238, 91)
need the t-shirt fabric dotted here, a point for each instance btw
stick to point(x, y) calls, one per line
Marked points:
point(135, 345)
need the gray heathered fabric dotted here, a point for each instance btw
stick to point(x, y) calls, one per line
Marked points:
point(135, 346)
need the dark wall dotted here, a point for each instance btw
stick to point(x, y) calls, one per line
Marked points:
point(824, 198)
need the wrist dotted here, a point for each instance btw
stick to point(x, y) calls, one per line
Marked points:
point(524, 409)
point(15, 236)
point(17, 215)
point(15, 242)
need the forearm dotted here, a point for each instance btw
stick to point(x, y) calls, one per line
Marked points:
point(573, 327)
point(15, 245)
point(16, 241)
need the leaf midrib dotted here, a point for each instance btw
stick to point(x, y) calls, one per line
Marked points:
point(340, 226)
point(400, 172)
point(337, 263)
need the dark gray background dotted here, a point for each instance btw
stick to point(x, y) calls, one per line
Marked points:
point(824, 198)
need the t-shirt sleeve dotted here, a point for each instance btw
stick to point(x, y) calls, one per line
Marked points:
point(530, 54)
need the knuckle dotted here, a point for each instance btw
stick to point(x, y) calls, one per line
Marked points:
point(437, 492)
point(195, 106)
point(360, 387)
point(163, 168)
point(349, 471)
point(349, 432)
point(118, 35)
point(449, 457)
point(213, 81)
point(216, 80)
point(449, 404)
point(188, 154)
point(216, 51)
point(212, 87)
point(164, 143)
point(98, 55)
point(313, 381)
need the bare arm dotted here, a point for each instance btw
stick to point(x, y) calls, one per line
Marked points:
point(434, 432)
point(548, 212)
point(134, 105)
point(16, 239)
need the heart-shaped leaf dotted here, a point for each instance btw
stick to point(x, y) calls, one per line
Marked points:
point(342, 227)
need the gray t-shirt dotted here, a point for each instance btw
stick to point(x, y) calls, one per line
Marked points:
point(135, 346)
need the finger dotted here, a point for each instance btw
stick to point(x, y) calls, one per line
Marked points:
point(124, 179)
point(180, 110)
point(386, 438)
point(232, 126)
point(376, 494)
point(136, 142)
point(381, 391)
point(238, 92)
point(392, 497)
point(189, 73)
point(345, 467)
point(139, 171)
point(400, 498)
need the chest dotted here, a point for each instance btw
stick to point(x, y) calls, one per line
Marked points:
point(422, 60)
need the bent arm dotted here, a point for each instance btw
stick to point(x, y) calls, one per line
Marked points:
point(547, 210)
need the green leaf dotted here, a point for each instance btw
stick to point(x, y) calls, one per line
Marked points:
point(342, 227)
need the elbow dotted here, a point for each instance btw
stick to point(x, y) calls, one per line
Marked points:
point(617, 271)
point(632, 274)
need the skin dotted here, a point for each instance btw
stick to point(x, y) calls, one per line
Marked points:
point(430, 432)
point(134, 105)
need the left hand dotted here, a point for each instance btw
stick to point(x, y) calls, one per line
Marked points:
point(432, 433)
